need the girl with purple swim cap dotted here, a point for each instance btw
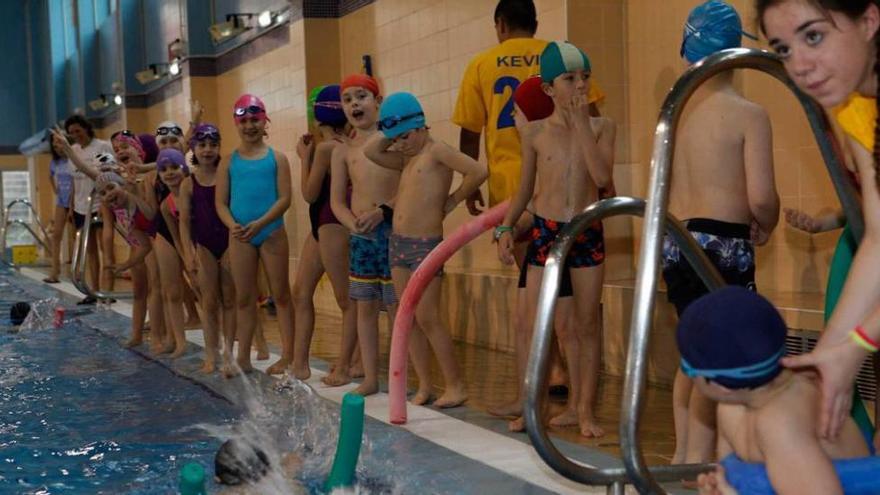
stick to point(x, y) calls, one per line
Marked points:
point(204, 242)
point(326, 250)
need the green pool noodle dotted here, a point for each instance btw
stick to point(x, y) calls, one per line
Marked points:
point(192, 479)
point(840, 265)
point(351, 431)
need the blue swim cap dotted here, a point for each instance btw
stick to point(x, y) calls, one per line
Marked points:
point(400, 112)
point(328, 107)
point(732, 336)
point(711, 27)
point(560, 57)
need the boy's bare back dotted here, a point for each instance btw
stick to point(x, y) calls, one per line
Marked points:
point(564, 186)
point(723, 167)
point(423, 192)
point(371, 184)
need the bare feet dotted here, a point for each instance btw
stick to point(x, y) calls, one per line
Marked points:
point(591, 429)
point(356, 371)
point(336, 378)
point(155, 346)
point(452, 397)
point(167, 348)
point(179, 351)
point(300, 372)
point(517, 425)
point(569, 417)
point(135, 340)
point(367, 388)
point(208, 367)
point(510, 409)
point(422, 397)
point(278, 367)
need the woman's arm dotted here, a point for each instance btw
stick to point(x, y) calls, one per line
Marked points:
point(73, 156)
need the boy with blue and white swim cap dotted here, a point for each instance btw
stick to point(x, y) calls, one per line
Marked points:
point(571, 155)
point(423, 201)
point(731, 341)
point(723, 188)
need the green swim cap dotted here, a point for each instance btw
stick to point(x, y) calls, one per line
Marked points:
point(310, 108)
point(560, 57)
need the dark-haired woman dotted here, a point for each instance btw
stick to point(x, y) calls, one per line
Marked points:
point(61, 172)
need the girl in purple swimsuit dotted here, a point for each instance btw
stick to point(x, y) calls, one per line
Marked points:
point(326, 250)
point(203, 242)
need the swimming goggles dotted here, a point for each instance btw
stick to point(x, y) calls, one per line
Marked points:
point(125, 133)
point(212, 134)
point(758, 370)
point(336, 105)
point(164, 131)
point(394, 120)
point(252, 109)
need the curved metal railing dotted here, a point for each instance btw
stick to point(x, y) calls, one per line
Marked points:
point(536, 372)
point(635, 470)
point(80, 254)
point(5, 223)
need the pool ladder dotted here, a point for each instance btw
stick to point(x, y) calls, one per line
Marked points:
point(654, 210)
point(80, 254)
point(43, 241)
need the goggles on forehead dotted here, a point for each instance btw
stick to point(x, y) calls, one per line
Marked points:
point(212, 134)
point(336, 105)
point(166, 130)
point(125, 133)
point(252, 109)
point(394, 120)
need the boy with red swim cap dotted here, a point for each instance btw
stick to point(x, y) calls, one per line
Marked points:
point(368, 219)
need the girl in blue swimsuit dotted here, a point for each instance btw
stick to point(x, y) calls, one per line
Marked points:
point(253, 193)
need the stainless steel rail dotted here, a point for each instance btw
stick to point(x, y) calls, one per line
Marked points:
point(44, 241)
point(80, 254)
point(536, 373)
point(649, 254)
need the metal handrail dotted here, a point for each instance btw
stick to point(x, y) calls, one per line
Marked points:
point(649, 253)
point(5, 223)
point(536, 373)
point(80, 254)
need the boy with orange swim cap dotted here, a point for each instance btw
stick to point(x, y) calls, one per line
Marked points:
point(368, 219)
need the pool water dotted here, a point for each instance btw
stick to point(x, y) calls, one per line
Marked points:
point(80, 414)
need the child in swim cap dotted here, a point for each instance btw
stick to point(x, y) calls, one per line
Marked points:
point(731, 341)
point(326, 249)
point(245, 469)
point(573, 152)
point(423, 201)
point(368, 219)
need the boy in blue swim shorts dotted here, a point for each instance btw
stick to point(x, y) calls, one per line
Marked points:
point(368, 219)
point(570, 155)
point(731, 341)
point(423, 201)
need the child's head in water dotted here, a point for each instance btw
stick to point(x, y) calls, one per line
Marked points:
point(565, 72)
point(731, 341)
point(360, 100)
point(239, 463)
point(402, 120)
point(828, 47)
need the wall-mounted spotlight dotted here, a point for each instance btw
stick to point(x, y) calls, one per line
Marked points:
point(235, 24)
point(157, 71)
point(104, 101)
point(174, 67)
point(265, 19)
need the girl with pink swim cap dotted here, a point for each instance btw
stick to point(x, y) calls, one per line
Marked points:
point(253, 193)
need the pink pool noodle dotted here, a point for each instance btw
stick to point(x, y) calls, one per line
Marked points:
point(420, 279)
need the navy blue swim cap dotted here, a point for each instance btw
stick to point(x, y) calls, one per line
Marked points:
point(711, 27)
point(732, 336)
point(328, 107)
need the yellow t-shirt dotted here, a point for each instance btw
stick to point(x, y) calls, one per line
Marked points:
point(858, 117)
point(485, 100)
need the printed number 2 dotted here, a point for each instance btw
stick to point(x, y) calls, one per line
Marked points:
point(505, 118)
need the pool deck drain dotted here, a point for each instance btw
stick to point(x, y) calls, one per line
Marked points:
point(466, 433)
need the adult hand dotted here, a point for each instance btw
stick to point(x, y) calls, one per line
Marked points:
point(368, 221)
point(305, 146)
point(472, 202)
point(838, 364)
point(60, 139)
point(505, 248)
point(801, 221)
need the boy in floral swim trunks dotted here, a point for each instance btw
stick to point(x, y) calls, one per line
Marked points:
point(423, 200)
point(571, 155)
